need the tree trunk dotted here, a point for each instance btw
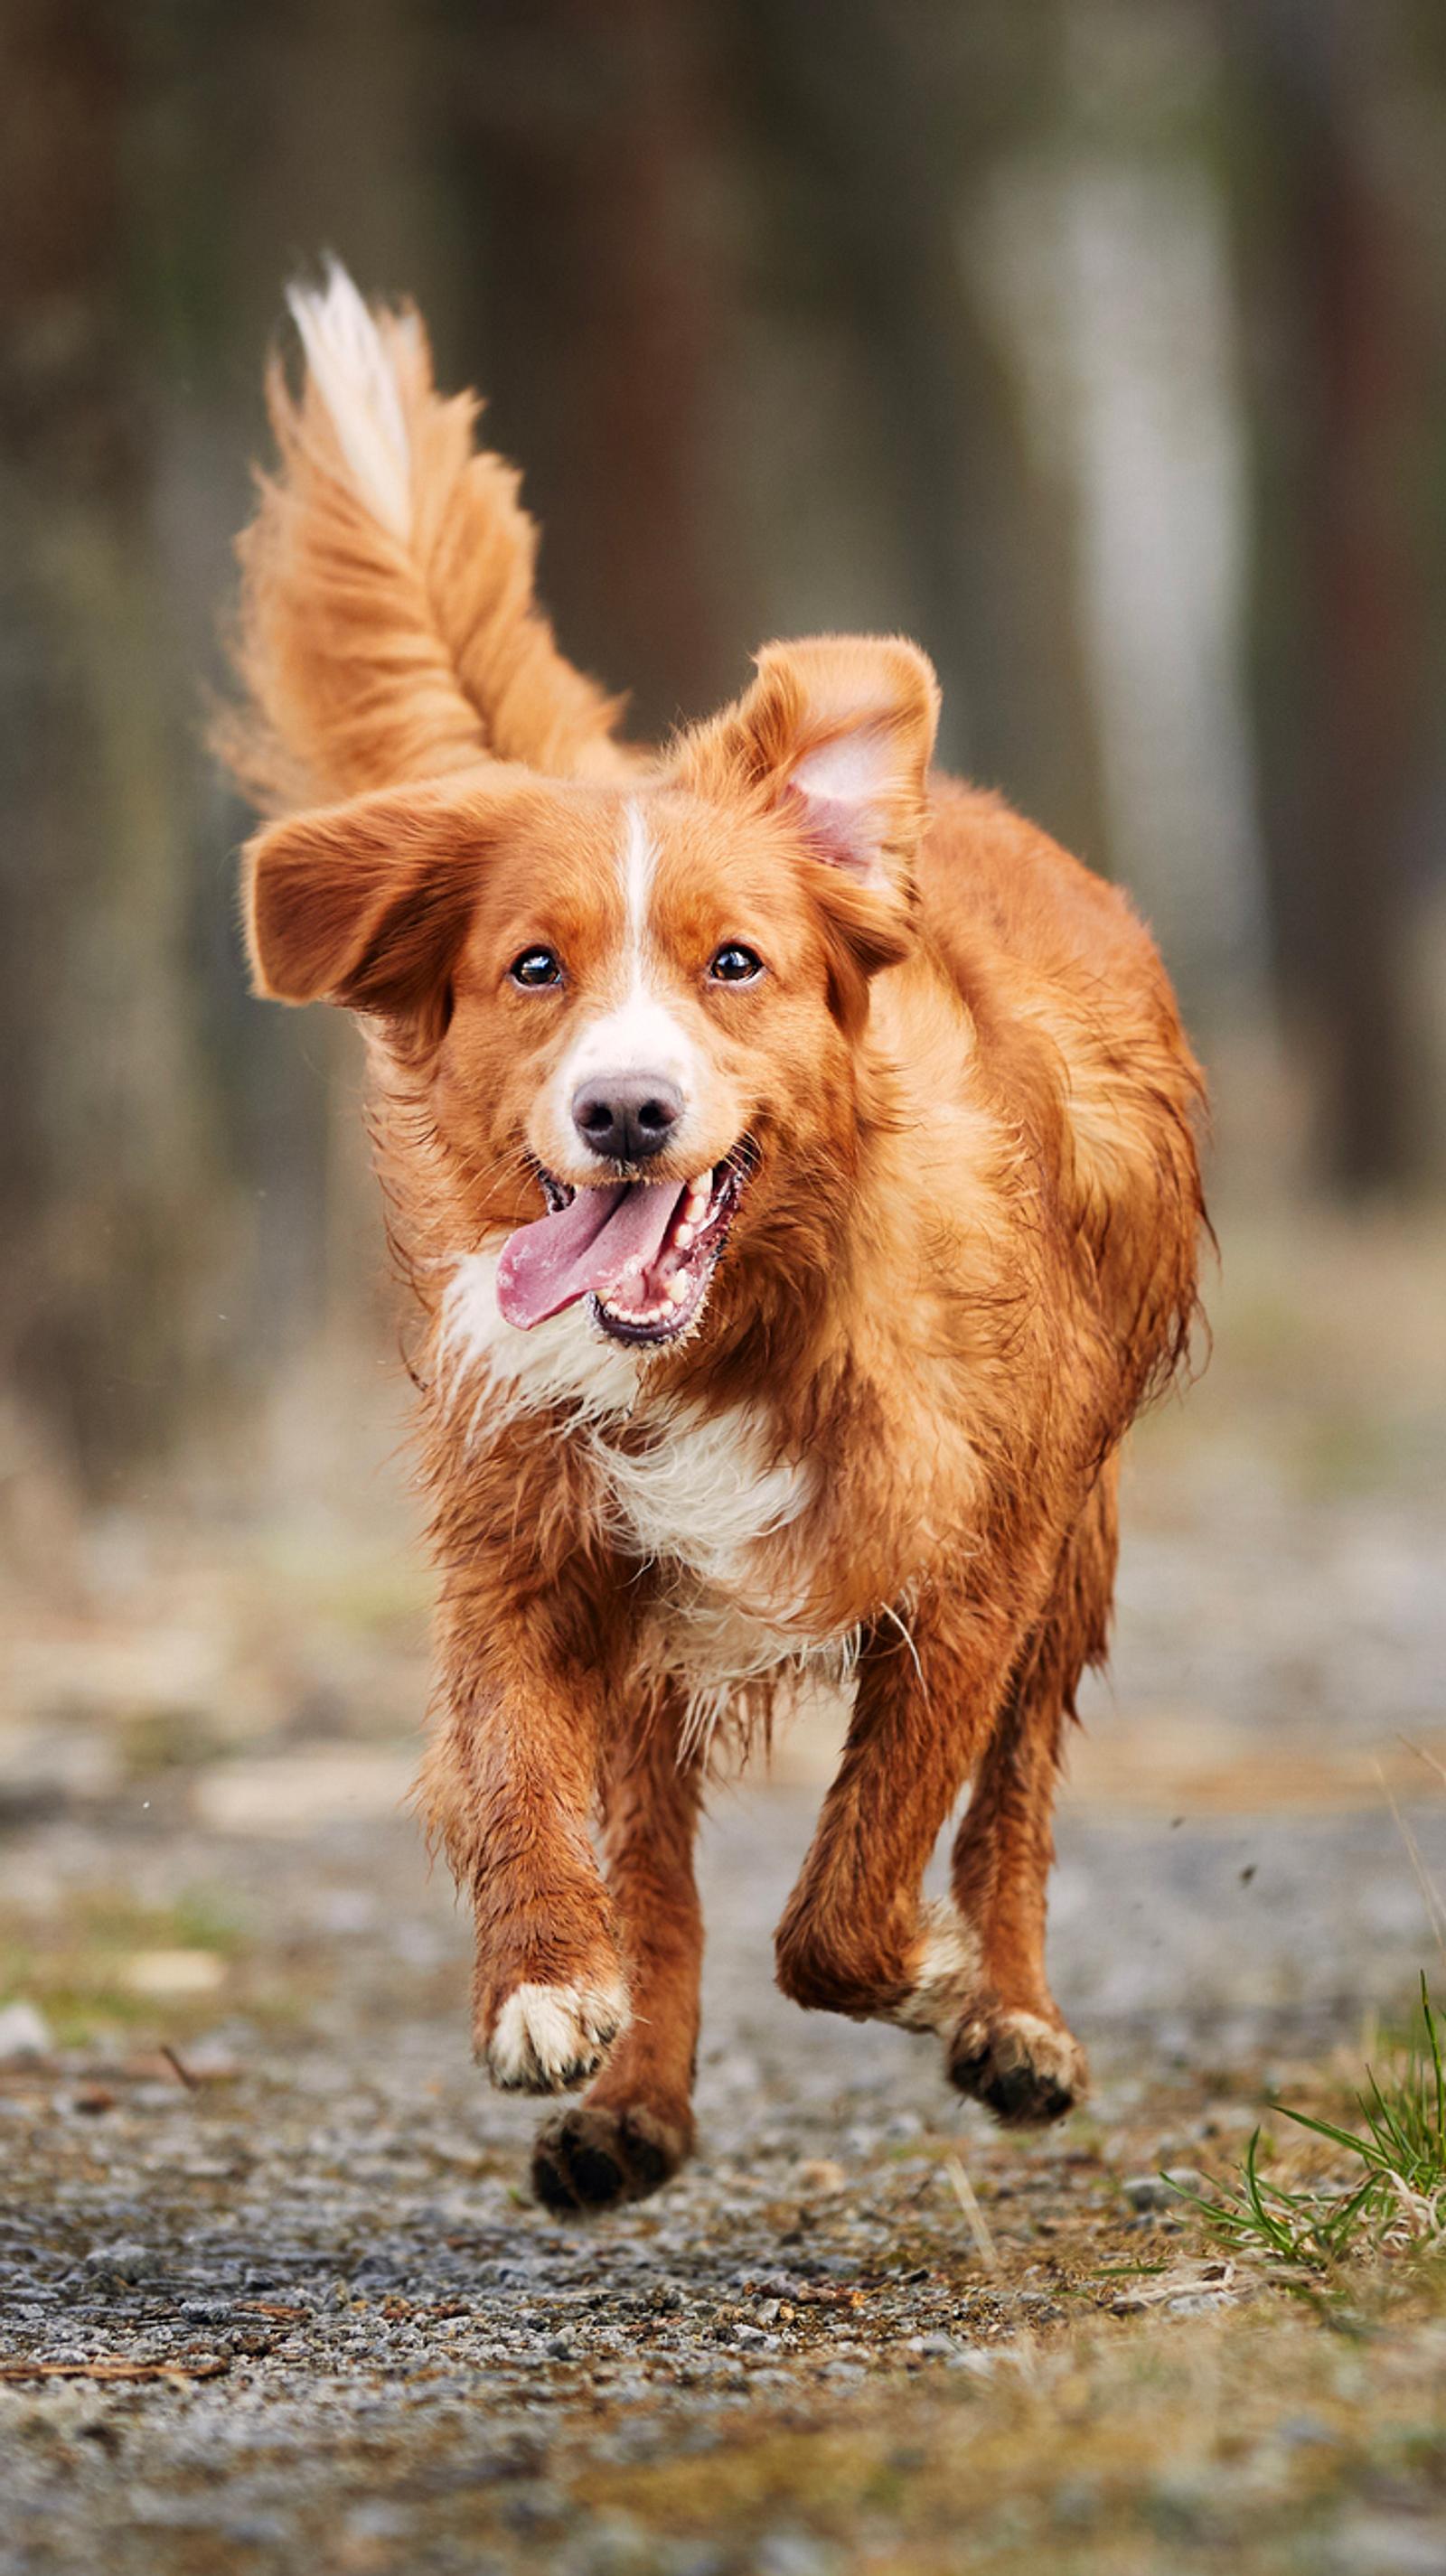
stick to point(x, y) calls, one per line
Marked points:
point(594, 327)
point(100, 1168)
point(1341, 609)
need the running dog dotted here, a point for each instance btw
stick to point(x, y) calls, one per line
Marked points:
point(791, 1155)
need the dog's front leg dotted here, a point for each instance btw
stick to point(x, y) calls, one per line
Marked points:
point(854, 1937)
point(507, 1787)
point(635, 2125)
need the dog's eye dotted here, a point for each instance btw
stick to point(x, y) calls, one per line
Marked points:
point(535, 967)
point(735, 964)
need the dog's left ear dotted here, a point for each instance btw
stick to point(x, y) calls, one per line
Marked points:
point(840, 729)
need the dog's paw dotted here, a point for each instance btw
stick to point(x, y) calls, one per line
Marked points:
point(549, 2039)
point(1024, 2069)
point(593, 2157)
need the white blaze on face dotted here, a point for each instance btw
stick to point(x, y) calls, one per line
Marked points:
point(636, 1033)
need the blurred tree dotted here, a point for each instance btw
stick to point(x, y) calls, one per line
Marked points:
point(102, 1170)
point(778, 309)
point(893, 119)
point(593, 315)
point(1341, 388)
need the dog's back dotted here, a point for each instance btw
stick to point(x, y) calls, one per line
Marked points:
point(1078, 1025)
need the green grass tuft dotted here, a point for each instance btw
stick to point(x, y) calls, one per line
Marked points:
point(1393, 2196)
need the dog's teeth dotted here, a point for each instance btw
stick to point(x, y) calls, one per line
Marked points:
point(678, 1291)
point(684, 1235)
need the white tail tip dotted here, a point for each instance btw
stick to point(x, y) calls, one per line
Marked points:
point(348, 362)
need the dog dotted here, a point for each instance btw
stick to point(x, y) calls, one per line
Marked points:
point(791, 1156)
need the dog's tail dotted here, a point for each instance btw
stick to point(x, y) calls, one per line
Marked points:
point(388, 629)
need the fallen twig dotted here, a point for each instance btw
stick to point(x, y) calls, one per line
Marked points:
point(1182, 2281)
point(211, 2366)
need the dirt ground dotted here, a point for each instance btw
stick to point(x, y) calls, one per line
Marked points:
point(271, 2294)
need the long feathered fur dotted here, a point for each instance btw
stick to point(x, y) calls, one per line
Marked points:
point(388, 629)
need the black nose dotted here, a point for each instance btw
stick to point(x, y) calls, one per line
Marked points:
point(627, 1116)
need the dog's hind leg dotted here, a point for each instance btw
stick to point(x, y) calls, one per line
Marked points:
point(855, 1937)
point(634, 2127)
point(1010, 2048)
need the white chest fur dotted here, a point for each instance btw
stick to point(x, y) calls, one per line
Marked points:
point(702, 1495)
point(699, 1492)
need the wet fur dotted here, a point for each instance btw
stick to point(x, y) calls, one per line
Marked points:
point(965, 1259)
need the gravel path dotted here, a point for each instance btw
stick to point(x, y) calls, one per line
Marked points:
point(360, 2347)
point(277, 2301)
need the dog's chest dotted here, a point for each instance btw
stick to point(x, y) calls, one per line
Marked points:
point(706, 1505)
point(700, 1492)
point(702, 1499)
point(696, 1492)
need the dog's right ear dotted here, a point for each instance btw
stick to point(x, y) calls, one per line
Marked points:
point(365, 903)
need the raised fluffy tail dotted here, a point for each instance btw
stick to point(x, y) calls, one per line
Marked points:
point(388, 629)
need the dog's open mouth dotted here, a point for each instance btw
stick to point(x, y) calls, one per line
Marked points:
point(641, 1252)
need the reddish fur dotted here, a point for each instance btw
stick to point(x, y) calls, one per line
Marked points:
point(967, 1255)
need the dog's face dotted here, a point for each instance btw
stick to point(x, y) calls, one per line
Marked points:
point(635, 1008)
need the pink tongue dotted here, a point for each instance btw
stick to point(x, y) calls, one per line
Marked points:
point(586, 1245)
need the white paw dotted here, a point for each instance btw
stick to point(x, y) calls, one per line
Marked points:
point(550, 2038)
point(946, 1971)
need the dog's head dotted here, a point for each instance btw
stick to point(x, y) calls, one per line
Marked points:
point(644, 1002)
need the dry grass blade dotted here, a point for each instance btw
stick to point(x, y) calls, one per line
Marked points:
point(1430, 1893)
point(967, 2198)
point(1431, 1760)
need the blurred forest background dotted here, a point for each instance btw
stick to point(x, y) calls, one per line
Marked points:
point(1101, 344)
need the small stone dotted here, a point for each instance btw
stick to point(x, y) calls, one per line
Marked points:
point(1076, 2504)
point(125, 2262)
point(818, 2173)
point(616, 2546)
point(24, 2034)
point(1161, 2190)
point(1299, 2432)
point(1387, 2546)
point(794, 2553)
point(165, 1973)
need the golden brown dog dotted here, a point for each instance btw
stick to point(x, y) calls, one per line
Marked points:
point(791, 1154)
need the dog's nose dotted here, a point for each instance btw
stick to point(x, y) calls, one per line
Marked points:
point(627, 1116)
